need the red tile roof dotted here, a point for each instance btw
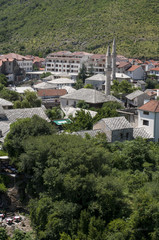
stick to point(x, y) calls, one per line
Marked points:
point(51, 92)
point(133, 68)
point(151, 106)
point(154, 69)
point(123, 64)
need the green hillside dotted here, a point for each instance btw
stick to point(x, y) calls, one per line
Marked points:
point(43, 26)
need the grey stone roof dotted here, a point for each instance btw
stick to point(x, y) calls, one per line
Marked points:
point(4, 127)
point(61, 81)
point(45, 85)
point(72, 111)
point(135, 94)
point(14, 114)
point(4, 102)
point(116, 123)
point(2, 110)
point(141, 82)
point(92, 133)
point(90, 96)
point(141, 132)
point(97, 77)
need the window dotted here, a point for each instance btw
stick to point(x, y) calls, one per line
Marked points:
point(146, 113)
point(121, 135)
point(145, 122)
point(127, 135)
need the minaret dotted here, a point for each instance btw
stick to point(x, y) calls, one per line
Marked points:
point(108, 71)
point(113, 60)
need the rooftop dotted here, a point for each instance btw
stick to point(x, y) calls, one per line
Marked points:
point(135, 94)
point(51, 92)
point(90, 96)
point(116, 123)
point(141, 132)
point(91, 133)
point(4, 102)
point(61, 81)
point(97, 77)
point(151, 106)
point(133, 68)
point(45, 85)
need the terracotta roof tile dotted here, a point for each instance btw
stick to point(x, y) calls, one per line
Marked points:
point(51, 92)
point(154, 69)
point(151, 106)
point(133, 68)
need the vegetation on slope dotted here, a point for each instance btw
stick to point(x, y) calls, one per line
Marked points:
point(87, 189)
point(40, 27)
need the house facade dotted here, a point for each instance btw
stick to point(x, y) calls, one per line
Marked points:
point(148, 117)
point(136, 99)
point(136, 72)
point(116, 129)
point(66, 62)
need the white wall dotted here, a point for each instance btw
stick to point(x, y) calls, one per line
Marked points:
point(150, 118)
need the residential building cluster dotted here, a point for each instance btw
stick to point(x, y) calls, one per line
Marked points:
point(139, 116)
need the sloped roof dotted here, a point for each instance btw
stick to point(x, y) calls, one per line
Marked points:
point(45, 85)
point(141, 132)
point(133, 68)
point(61, 81)
point(135, 94)
point(14, 114)
point(92, 133)
point(151, 106)
point(69, 89)
point(49, 78)
point(90, 96)
point(51, 92)
point(122, 75)
point(72, 111)
point(97, 77)
point(4, 102)
point(155, 69)
point(22, 89)
point(116, 123)
point(14, 56)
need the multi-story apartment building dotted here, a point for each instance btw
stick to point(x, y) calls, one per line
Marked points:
point(24, 63)
point(66, 62)
point(96, 63)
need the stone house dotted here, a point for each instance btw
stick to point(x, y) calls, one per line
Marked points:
point(116, 129)
point(136, 99)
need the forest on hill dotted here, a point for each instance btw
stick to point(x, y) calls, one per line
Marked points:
point(85, 188)
point(43, 26)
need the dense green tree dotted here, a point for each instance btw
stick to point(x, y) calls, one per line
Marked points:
point(29, 100)
point(22, 129)
point(3, 234)
point(151, 82)
point(82, 104)
point(45, 74)
point(81, 121)
point(122, 88)
point(79, 84)
point(89, 86)
point(108, 110)
point(3, 80)
point(54, 113)
point(9, 95)
point(83, 73)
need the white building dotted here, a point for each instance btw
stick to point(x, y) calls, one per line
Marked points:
point(66, 62)
point(148, 117)
point(136, 72)
point(23, 62)
point(61, 82)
